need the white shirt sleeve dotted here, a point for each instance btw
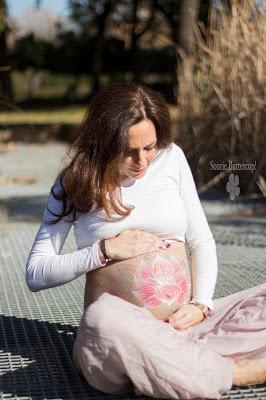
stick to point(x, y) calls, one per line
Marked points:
point(199, 238)
point(45, 267)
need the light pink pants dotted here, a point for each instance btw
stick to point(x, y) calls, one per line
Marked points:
point(121, 347)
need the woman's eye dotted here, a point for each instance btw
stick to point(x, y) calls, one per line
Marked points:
point(151, 148)
point(132, 152)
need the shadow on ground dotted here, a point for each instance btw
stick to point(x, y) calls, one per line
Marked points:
point(23, 209)
point(45, 351)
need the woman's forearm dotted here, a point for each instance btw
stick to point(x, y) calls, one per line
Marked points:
point(204, 272)
point(46, 268)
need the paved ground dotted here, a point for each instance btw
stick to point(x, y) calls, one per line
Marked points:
point(38, 329)
point(33, 167)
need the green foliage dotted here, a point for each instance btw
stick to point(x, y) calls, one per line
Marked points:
point(72, 53)
point(31, 52)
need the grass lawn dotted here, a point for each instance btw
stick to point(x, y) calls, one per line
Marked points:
point(57, 115)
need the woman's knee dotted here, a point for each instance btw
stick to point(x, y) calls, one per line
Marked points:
point(111, 317)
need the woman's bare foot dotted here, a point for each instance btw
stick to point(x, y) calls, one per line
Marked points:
point(249, 372)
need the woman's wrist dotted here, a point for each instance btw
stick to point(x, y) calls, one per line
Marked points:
point(108, 249)
point(103, 252)
point(206, 311)
point(101, 256)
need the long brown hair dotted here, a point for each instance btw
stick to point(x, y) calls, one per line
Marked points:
point(101, 144)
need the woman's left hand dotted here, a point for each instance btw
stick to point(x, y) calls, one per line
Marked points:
point(186, 316)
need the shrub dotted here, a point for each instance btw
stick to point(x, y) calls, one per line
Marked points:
point(221, 99)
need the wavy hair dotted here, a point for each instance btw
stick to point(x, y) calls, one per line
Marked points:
point(101, 144)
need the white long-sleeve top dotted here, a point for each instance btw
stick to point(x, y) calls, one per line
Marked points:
point(166, 203)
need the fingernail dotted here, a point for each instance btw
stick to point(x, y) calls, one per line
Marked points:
point(168, 245)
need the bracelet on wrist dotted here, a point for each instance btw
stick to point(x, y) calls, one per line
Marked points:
point(103, 250)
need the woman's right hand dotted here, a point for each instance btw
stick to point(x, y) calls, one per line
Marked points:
point(131, 243)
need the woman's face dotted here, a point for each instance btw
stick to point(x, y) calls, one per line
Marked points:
point(141, 149)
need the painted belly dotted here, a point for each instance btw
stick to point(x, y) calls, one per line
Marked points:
point(158, 281)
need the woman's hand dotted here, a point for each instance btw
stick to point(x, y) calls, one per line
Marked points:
point(132, 243)
point(186, 316)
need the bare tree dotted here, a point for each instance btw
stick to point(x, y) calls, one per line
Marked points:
point(183, 16)
point(99, 42)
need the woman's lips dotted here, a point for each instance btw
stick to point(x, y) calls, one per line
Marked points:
point(138, 170)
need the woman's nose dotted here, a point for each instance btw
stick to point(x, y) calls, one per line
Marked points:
point(140, 158)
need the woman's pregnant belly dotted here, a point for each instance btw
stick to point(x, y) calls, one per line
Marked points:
point(159, 281)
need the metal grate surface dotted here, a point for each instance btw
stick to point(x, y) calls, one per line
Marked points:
point(37, 330)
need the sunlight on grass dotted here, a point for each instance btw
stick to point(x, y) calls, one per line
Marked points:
point(69, 115)
point(63, 115)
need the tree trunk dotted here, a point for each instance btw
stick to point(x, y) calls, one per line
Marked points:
point(99, 46)
point(97, 62)
point(186, 40)
point(134, 45)
point(5, 68)
point(188, 17)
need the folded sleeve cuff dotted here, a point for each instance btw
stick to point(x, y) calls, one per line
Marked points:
point(207, 302)
point(96, 257)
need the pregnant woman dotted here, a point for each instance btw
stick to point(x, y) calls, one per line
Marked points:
point(149, 322)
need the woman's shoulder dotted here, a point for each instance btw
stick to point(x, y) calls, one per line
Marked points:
point(55, 204)
point(175, 148)
point(57, 188)
point(174, 153)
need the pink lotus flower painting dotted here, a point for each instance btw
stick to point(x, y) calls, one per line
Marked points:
point(162, 281)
